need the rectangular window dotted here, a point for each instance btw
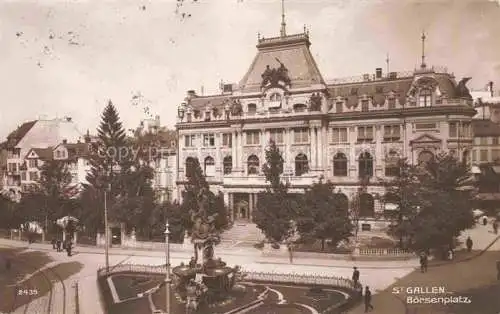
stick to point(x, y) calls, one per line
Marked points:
point(364, 105)
point(12, 167)
point(209, 140)
point(425, 126)
point(392, 103)
point(483, 141)
point(339, 135)
point(277, 136)
point(365, 134)
point(495, 154)
point(392, 133)
point(453, 129)
point(189, 140)
point(474, 155)
point(301, 136)
point(32, 163)
point(339, 107)
point(227, 140)
point(483, 155)
point(23, 176)
point(253, 137)
point(466, 130)
point(33, 176)
point(494, 141)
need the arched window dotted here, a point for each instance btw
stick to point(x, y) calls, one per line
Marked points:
point(299, 108)
point(340, 165)
point(301, 165)
point(366, 205)
point(190, 167)
point(275, 97)
point(209, 167)
point(342, 202)
point(253, 165)
point(425, 157)
point(365, 166)
point(228, 164)
point(252, 109)
point(392, 164)
point(425, 97)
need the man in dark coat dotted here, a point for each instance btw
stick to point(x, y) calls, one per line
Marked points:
point(355, 276)
point(423, 262)
point(68, 247)
point(468, 243)
point(59, 244)
point(368, 299)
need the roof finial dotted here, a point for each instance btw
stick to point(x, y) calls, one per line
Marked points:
point(423, 65)
point(387, 60)
point(283, 24)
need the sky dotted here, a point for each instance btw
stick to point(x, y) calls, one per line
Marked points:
point(68, 58)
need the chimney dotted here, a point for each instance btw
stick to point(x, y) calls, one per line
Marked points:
point(366, 77)
point(65, 141)
point(491, 88)
point(378, 73)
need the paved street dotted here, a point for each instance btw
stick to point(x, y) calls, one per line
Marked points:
point(379, 275)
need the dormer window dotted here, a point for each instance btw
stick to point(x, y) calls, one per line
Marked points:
point(425, 98)
point(275, 97)
point(252, 109)
point(299, 108)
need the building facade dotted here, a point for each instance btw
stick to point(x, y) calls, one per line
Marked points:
point(344, 130)
point(39, 134)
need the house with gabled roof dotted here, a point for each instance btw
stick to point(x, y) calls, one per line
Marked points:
point(39, 134)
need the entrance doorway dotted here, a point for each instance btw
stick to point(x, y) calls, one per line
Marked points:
point(241, 207)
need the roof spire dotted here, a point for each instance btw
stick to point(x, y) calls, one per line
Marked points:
point(387, 60)
point(423, 65)
point(283, 24)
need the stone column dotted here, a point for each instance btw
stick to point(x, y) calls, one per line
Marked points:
point(241, 142)
point(234, 154)
point(313, 144)
point(288, 145)
point(231, 205)
point(263, 143)
point(250, 205)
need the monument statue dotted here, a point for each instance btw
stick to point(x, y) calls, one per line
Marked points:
point(274, 76)
point(462, 90)
point(315, 102)
point(236, 108)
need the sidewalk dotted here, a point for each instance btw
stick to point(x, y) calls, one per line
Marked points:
point(229, 254)
point(385, 302)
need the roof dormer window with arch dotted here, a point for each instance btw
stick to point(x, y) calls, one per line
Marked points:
point(274, 98)
point(425, 97)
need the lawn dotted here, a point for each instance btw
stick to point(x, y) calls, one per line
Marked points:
point(473, 278)
point(129, 285)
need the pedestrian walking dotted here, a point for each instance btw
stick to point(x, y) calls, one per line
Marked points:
point(68, 247)
point(290, 253)
point(355, 276)
point(368, 299)
point(59, 244)
point(485, 220)
point(54, 242)
point(450, 254)
point(495, 226)
point(424, 260)
point(468, 243)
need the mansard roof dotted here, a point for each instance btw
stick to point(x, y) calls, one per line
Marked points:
point(293, 52)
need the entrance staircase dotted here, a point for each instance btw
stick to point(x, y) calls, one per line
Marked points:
point(243, 232)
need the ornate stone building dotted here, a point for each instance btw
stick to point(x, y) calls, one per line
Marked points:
point(344, 130)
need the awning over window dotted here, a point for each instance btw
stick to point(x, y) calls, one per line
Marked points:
point(391, 206)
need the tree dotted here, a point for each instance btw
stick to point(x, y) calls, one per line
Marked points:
point(124, 175)
point(197, 188)
point(275, 209)
point(323, 216)
point(403, 191)
point(435, 208)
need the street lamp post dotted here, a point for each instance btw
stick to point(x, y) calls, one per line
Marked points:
point(167, 276)
point(106, 227)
